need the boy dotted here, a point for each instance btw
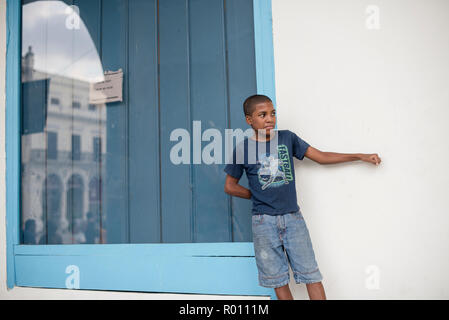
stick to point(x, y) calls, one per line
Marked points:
point(280, 234)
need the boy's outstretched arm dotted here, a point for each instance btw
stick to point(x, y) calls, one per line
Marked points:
point(233, 188)
point(334, 157)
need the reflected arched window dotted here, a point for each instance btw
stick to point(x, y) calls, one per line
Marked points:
point(51, 210)
point(94, 190)
point(75, 203)
point(51, 197)
point(94, 214)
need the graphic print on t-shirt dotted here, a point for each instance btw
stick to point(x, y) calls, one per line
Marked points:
point(275, 169)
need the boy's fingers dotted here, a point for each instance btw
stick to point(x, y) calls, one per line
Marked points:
point(377, 160)
point(374, 159)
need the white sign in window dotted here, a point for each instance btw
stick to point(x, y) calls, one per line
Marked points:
point(109, 90)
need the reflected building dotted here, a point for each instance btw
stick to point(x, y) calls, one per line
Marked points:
point(63, 158)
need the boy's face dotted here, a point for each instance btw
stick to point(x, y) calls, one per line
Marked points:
point(263, 117)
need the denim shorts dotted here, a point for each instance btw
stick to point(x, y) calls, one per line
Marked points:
point(279, 240)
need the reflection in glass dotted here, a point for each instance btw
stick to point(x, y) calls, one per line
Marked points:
point(59, 64)
point(96, 172)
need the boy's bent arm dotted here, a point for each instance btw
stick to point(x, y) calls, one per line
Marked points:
point(233, 188)
point(334, 157)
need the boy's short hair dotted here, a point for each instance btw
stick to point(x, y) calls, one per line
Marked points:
point(250, 103)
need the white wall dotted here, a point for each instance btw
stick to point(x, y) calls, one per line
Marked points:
point(346, 88)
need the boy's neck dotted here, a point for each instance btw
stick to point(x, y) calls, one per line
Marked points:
point(263, 138)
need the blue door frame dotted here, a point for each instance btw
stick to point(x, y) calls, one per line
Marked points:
point(202, 268)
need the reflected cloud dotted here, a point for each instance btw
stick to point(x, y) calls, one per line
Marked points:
point(59, 50)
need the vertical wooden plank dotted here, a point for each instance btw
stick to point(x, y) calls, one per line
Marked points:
point(176, 187)
point(39, 39)
point(12, 131)
point(209, 105)
point(89, 52)
point(143, 117)
point(59, 40)
point(68, 82)
point(114, 44)
point(263, 34)
point(27, 210)
point(241, 84)
point(264, 52)
point(90, 14)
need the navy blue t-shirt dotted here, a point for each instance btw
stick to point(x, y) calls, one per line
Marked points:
point(270, 170)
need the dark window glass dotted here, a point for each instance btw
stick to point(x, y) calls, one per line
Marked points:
point(97, 148)
point(76, 147)
point(52, 145)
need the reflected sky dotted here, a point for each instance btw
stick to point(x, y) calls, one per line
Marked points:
point(59, 49)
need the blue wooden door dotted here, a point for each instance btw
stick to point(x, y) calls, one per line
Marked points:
point(183, 61)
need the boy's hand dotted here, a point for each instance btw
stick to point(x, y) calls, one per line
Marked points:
point(373, 158)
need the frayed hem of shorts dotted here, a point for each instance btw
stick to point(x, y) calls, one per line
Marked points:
point(298, 280)
point(307, 281)
point(276, 285)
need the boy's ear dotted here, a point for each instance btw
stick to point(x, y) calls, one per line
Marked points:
point(248, 120)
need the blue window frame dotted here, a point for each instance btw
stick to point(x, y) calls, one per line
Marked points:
point(207, 267)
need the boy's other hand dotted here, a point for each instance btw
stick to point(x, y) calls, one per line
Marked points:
point(372, 158)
